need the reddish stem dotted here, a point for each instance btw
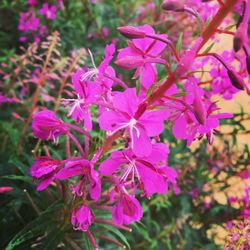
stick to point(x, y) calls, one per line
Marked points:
point(77, 143)
point(168, 42)
point(104, 237)
point(108, 222)
point(217, 20)
point(225, 32)
point(92, 240)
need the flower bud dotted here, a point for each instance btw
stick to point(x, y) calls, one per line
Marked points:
point(248, 64)
point(235, 79)
point(129, 62)
point(131, 32)
point(5, 189)
point(199, 110)
point(82, 218)
point(237, 43)
point(47, 126)
point(172, 5)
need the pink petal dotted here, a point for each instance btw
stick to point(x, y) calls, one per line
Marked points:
point(152, 181)
point(126, 101)
point(44, 183)
point(148, 75)
point(110, 120)
point(68, 172)
point(141, 145)
point(179, 128)
point(95, 185)
point(108, 166)
point(87, 120)
point(153, 122)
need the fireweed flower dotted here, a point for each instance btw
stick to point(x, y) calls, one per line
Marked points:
point(148, 173)
point(86, 170)
point(87, 93)
point(103, 70)
point(48, 12)
point(142, 54)
point(126, 210)
point(44, 170)
point(82, 218)
point(32, 2)
point(186, 124)
point(28, 22)
point(5, 99)
point(47, 126)
point(139, 130)
point(221, 84)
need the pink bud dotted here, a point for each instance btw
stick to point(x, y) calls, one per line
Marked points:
point(172, 5)
point(129, 62)
point(199, 110)
point(5, 189)
point(248, 64)
point(131, 32)
point(237, 43)
point(235, 79)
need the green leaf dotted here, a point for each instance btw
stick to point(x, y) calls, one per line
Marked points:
point(138, 88)
point(209, 48)
point(18, 178)
point(117, 233)
point(179, 42)
point(33, 229)
point(149, 91)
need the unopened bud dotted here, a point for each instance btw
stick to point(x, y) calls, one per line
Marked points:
point(129, 62)
point(199, 110)
point(5, 189)
point(248, 64)
point(236, 80)
point(131, 32)
point(237, 44)
point(172, 5)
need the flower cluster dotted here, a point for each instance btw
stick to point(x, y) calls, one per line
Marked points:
point(31, 22)
point(132, 161)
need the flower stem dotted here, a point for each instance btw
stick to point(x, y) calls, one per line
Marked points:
point(108, 222)
point(92, 240)
point(39, 85)
point(77, 143)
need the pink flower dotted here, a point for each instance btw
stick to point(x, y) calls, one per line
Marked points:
point(82, 218)
point(151, 172)
point(105, 32)
point(193, 119)
point(28, 22)
point(86, 169)
point(49, 12)
point(221, 84)
point(46, 125)
point(5, 99)
point(87, 93)
point(5, 189)
point(104, 70)
point(139, 130)
point(32, 2)
point(147, 51)
point(126, 210)
point(45, 168)
point(22, 39)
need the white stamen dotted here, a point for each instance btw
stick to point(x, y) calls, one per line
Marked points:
point(92, 72)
